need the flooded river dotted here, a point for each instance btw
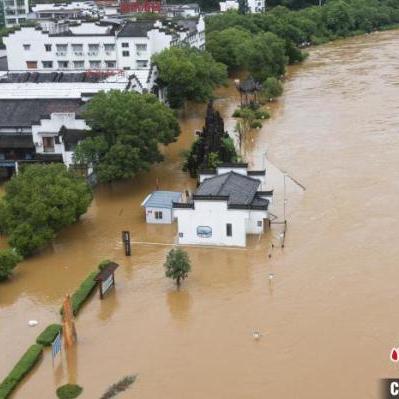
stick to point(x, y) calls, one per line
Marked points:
point(329, 317)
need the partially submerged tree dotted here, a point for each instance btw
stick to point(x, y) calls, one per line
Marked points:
point(272, 88)
point(9, 258)
point(177, 265)
point(127, 129)
point(188, 74)
point(39, 202)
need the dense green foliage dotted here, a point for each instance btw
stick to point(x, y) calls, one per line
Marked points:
point(277, 33)
point(196, 157)
point(47, 336)
point(272, 88)
point(177, 265)
point(118, 387)
point(188, 74)
point(39, 202)
point(127, 128)
point(69, 391)
point(24, 365)
point(8, 260)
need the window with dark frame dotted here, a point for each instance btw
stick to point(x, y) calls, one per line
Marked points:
point(229, 230)
point(158, 215)
point(259, 223)
point(125, 53)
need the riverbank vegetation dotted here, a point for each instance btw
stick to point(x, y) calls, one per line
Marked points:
point(40, 201)
point(21, 369)
point(9, 258)
point(127, 128)
point(188, 74)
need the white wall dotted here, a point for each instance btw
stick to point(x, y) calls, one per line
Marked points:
point(166, 215)
point(215, 215)
point(51, 128)
point(228, 5)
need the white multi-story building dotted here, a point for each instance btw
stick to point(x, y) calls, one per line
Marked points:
point(15, 11)
point(96, 46)
point(228, 205)
point(253, 6)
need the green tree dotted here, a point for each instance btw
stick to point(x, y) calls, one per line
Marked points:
point(227, 46)
point(39, 202)
point(177, 265)
point(127, 129)
point(188, 74)
point(9, 258)
point(272, 88)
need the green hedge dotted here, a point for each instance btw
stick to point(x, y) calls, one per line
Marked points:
point(80, 296)
point(24, 365)
point(48, 335)
point(69, 391)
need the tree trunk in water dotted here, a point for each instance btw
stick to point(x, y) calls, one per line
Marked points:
point(178, 281)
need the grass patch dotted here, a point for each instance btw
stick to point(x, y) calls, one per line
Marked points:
point(48, 335)
point(24, 365)
point(69, 391)
point(120, 386)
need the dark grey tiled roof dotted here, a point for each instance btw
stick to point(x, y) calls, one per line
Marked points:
point(240, 189)
point(16, 141)
point(20, 113)
point(136, 29)
point(52, 77)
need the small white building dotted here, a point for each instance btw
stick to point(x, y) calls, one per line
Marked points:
point(228, 5)
point(159, 206)
point(15, 11)
point(228, 205)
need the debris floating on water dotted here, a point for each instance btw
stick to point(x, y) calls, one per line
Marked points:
point(256, 335)
point(33, 323)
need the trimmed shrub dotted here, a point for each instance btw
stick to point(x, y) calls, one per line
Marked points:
point(80, 296)
point(69, 391)
point(104, 264)
point(24, 365)
point(48, 335)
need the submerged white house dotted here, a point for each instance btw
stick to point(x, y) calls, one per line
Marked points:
point(228, 204)
point(159, 206)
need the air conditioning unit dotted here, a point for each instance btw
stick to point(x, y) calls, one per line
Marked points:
point(78, 53)
point(108, 52)
point(61, 53)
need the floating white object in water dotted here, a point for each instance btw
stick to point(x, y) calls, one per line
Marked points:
point(271, 276)
point(256, 335)
point(33, 323)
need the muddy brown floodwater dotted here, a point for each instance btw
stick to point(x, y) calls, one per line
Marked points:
point(329, 317)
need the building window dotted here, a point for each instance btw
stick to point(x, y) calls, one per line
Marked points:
point(142, 64)
point(141, 47)
point(181, 235)
point(63, 64)
point(77, 48)
point(61, 48)
point(125, 53)
point(93, 49)
point(204, 231)
point(78, 64)
point(47, 64)
point(109, 47)
point(126, 68)
point(110, 64)
point(158, 215)
point(229, 230)
point(125, 45)
point(48, 144)
point(47, 47)
point(259, 223)
point(31, 64)
point(26, 47)
point(95, 64)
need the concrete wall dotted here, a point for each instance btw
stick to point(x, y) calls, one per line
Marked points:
point(214, 214)
point(166, 215)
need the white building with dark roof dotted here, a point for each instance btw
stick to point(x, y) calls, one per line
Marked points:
point(229, 204)
point(124, 45)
